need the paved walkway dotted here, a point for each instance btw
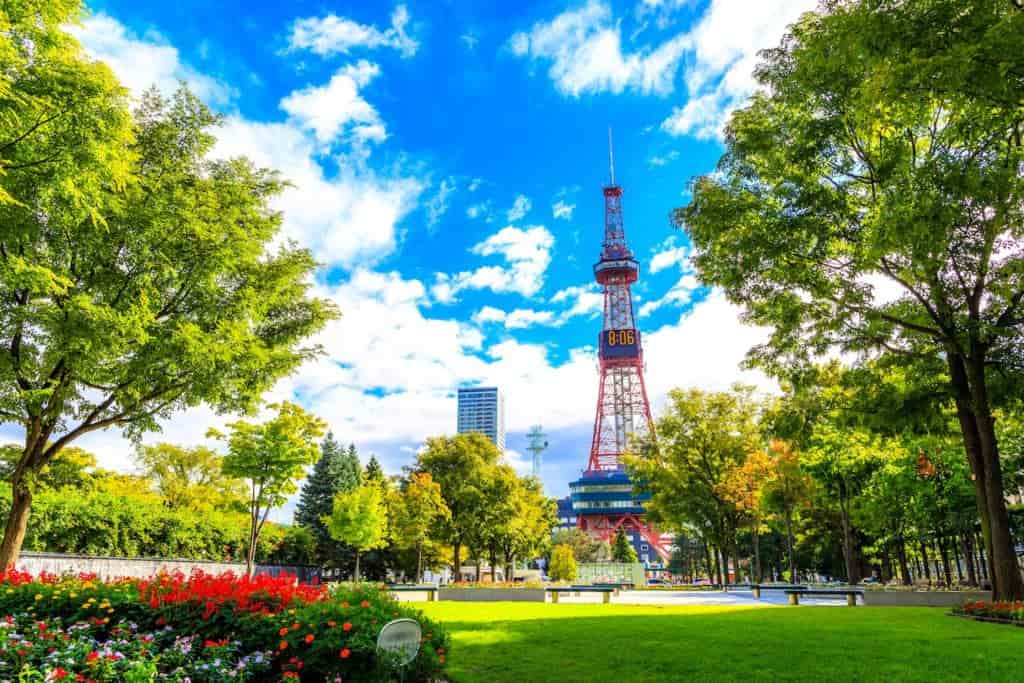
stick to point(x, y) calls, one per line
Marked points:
point(734, 598)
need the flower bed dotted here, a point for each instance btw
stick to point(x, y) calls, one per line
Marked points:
point(1003, 612)
point(200, 627)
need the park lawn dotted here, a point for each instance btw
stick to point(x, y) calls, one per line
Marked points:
point(528, 642)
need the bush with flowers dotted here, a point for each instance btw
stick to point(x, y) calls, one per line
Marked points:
point(1007, 611)
point(202, 627)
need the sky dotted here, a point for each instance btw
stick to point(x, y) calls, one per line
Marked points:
point(446, 161)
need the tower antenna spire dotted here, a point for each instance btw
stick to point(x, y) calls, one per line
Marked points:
point(611, 155)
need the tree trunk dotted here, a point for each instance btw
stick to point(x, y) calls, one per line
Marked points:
point(924, 560)
point(901, 554)
point(956, 559)
point(968, 546)
point(985, 465)
point(493, 561)
point(457, 560)
point(356, 575)
point(755, 566)
point(707, 560)
point(419, 562)
point(945, 560)
point(984, 563)
point(789, 545)
point(852, 573)
point(17, 523)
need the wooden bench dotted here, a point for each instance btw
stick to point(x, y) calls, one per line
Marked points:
point(850, 593)
point(431, 591)
point(605, 591)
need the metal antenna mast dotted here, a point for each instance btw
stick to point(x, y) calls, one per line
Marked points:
point(611, 155)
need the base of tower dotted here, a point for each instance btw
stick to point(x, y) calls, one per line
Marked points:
point(604, 501)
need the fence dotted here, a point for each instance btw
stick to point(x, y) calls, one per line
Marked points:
point(611, 572)
point(142, 567)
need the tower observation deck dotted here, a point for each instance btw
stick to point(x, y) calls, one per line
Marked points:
point(603, 497)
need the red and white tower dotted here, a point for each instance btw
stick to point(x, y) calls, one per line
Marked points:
point(603, 498)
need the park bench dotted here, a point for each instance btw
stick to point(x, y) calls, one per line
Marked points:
point(431, 591)
point(850, 594)
point(605, 591)
point(616, 587)
point(756, 588)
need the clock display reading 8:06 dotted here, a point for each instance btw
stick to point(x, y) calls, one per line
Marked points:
point(620, 337)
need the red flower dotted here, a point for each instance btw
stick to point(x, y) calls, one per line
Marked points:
point(309, 637)
point(364, 603)
point(440, 650)
point(332, 623)
point(347, 626)
point(92, 656)
point(283, 645)
point(283, 631)
point(59, 673)
point(345, 653)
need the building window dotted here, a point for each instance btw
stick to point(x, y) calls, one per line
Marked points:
point(643, 546)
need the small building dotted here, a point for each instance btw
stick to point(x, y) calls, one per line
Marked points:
point(482, 409)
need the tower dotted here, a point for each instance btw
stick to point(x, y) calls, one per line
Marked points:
point(603, 497)
point(538, 444)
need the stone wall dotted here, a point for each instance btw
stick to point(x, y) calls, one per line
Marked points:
point(142, 567)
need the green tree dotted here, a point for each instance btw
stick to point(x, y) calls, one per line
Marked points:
point(417, 508)
point(883, 153)
point(462, 466)
point(173, 301)
point(700, 438)
point(622, 549)
point(71, 468)
point(743, 486)
point(190, 477)
point(584, 547)
point(563, 564)
point(272, 457)
point(525, 530)
point(359, 519)
point(785, 489)
point(337, 470)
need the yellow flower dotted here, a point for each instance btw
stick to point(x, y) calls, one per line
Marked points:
point(73, 595)
point(39, 596)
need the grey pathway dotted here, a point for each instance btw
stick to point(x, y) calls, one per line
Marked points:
point(737, 598)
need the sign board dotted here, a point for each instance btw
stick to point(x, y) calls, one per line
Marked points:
point(401, 637)
point(620, 343)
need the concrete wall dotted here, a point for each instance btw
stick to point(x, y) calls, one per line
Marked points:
point(140, 567)
point(883, 598)
point(492, 594)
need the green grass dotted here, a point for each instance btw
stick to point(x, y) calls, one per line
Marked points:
point(531, 642)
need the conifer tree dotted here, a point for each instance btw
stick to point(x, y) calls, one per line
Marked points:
point(622, 549)
point(336, 471)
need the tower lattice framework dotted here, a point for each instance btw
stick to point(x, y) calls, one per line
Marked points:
point(603, 496)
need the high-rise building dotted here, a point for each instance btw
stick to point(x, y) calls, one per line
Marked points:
point(482, 409)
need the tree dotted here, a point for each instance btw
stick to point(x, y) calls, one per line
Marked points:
point(462, 466)
point(189, 477)
point(527, 531)
point(699, 439)
point(71, 468)
point(416, 510)
point(584, 547)
point(168, 298)
point(271, 456)
point(743, 486)
point(359, 519)
point(888, 228)
point(622, 549)
point(337, 470)
point(785, 488)
point(563, 564)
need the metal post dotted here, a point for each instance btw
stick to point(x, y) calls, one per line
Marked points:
point(794, 598)
point(851, 599)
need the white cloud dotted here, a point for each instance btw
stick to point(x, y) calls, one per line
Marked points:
point(725, 42)
point(679, 294)
point(474, 184)
point(562, 209)
point(329, 109)
point(517, 319)
point(670, 256)
point(470, 40)
point(438, 204)
point(142, 62)
point(331, 35)
point(663, 159)
point(584, 48)
point(587, 300)
point(348, 219)
point(520, 207)
point(526, 252)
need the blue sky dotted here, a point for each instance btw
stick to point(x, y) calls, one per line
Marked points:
point(447, 162)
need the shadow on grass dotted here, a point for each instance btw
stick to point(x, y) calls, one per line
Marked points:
point(573, 643)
